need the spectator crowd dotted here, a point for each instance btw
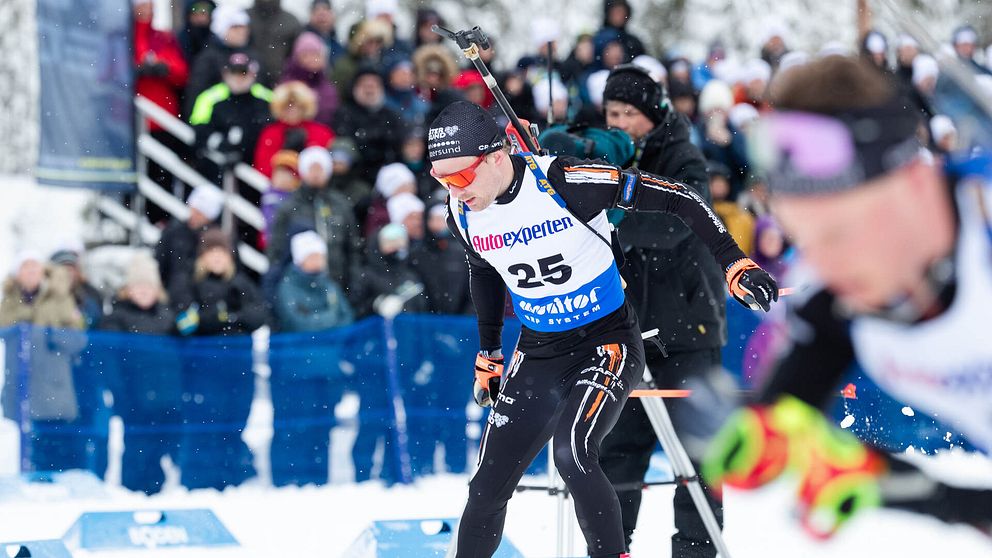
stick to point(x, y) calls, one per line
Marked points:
point(354, 224)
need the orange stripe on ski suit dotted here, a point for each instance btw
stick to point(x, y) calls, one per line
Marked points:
point(662, 183)
point(614, 351)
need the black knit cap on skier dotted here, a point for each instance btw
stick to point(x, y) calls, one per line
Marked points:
point(633, 85)
point(463, 129)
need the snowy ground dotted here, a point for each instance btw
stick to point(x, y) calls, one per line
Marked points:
point(323, 522)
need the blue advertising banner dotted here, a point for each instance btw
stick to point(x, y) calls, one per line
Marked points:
point(414, 538)
point(35, 549)
point(87, 94)
point(148, 530)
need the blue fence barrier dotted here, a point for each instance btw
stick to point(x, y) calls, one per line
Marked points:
point(189, 398)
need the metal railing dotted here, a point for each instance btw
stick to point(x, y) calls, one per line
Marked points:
point(151, 149)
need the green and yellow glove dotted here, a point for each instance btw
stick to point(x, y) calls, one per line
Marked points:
point(756, 444)
point(839, 478)
point(838, 475)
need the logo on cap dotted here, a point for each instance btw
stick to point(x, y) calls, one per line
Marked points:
point(441, 133)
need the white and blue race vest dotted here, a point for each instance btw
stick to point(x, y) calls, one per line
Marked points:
point(944, 366)
point(560, 275)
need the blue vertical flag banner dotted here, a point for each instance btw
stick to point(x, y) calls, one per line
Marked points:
point(87, 94)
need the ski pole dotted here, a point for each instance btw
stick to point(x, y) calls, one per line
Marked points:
point(551, 95)
point(473, 41)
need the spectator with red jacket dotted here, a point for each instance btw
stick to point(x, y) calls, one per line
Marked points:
point(294, 106)
point(161, 69)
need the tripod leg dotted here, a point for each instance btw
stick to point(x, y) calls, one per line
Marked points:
point(682, 466)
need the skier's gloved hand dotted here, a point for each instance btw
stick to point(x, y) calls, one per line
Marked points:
point(839, 477)
point(488, 371)
point(755, 445)
point(751, 286)
point(906, 487)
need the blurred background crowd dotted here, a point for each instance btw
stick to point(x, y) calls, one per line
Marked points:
point(354, 224)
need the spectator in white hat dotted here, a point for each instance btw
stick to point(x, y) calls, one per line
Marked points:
point(177, 246)
point(315, 166)
point(906, 51)
point(392, 179)
point(558, 99)
point(925, 74)
point(943, 133)
point(544, 30)
point(408, 210)
point(757, 74)
point(382, 9)
point(875, 48)
point(742, 115)
point(229, 24)
point(965, 43)
point(315, 206)
point(307, 300)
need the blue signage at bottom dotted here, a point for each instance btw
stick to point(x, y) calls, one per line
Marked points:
point(413, 538)
point(34, 549)
point(148, 530)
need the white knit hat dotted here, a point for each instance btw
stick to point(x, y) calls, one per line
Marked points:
point(316, 155)
point(791, 59)
point(401, 205)
point(376, 8)
point(596, 85)
point(540, 92)
point(226, 16)
point(208, 200)
point(757, 69)
point(715, 95)
point(143, 270)
point(304, 244)
point(544, 30)
point(391, 177)
point(940, 126)
point(655, 68)
point(924, 67)
point(833, 48)
point(742, 114)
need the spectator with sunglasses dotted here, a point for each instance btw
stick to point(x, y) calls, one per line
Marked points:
point(902, 250)
point(537, 225)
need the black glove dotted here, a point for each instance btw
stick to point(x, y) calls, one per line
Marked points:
point(752, 286)
point(910, 489)
point(153, 69)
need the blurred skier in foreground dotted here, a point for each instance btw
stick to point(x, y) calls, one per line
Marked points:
point(903, 251)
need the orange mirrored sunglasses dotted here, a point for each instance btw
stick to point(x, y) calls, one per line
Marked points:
point(462, 178)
